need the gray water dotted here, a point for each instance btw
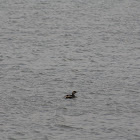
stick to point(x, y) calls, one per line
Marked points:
point(48, 48)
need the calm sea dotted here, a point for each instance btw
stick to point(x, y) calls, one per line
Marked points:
point(48, 48)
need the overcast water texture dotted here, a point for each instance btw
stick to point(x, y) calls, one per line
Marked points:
point(48, 48)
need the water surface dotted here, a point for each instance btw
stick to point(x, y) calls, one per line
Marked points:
point(50, 48)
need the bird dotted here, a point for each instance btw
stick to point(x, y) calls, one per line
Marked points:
point(71, 96)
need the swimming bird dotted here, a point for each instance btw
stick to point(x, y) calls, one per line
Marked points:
point(71, 96)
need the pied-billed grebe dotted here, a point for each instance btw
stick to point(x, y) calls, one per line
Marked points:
point(71, 96)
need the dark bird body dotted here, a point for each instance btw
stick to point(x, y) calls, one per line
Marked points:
point(71, 96)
